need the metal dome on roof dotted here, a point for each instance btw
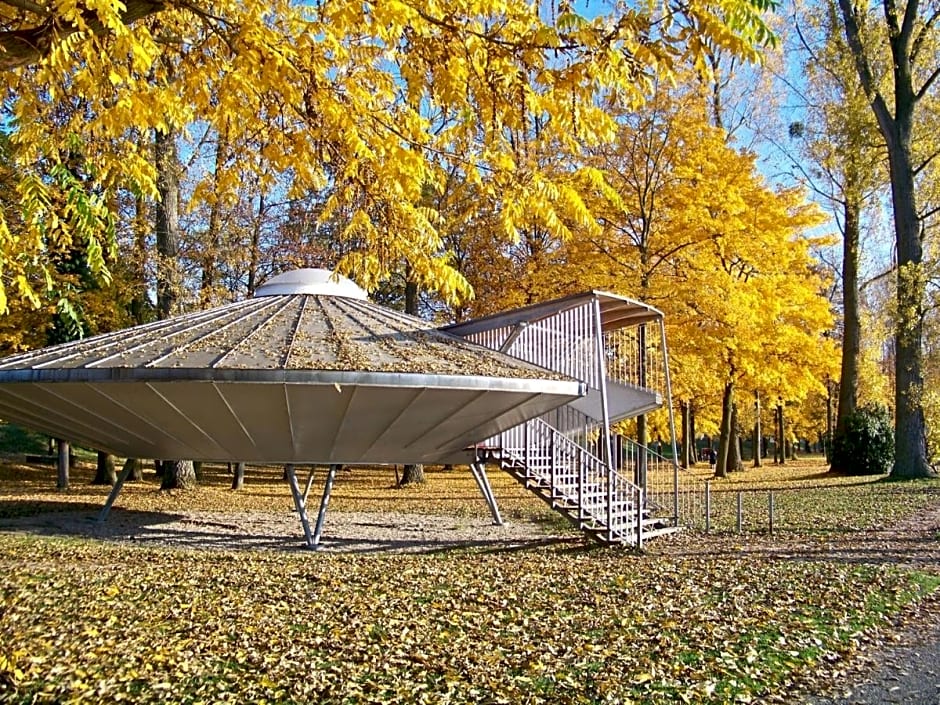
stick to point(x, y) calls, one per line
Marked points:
point(321, 282)
point(307, 372)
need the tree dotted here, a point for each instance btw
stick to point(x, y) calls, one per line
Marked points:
point(105, 473)
point(897, 64)
point(178, 475)
point(341, 91)
point(690, 227)
point(839, 138)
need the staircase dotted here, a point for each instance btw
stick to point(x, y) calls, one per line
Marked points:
point(577, 484)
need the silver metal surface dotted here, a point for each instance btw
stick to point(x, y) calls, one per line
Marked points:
point(478, 469)
point(299, 505)
point(282, 378)
point(324, 503)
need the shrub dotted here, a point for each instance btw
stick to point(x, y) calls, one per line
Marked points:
point(865, 444)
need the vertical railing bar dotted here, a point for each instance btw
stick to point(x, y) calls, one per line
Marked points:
point(672, 419)
point(708, 506)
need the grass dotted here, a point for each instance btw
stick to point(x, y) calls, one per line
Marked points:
point(82, 620)
point(808, 500)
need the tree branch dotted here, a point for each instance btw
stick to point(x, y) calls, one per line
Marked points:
point(922, 32)
point(26, 5)
point(21, 47)
point(926, 87)
point(863, 68)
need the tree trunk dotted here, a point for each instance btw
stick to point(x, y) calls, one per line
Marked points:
point(64, 465)
point(852, 325)
point(757, 437)
point(412, 475)
point(105, 473)
point(724, 437)
point(687, 458)
point(137, 469)
point(910, 437)
point(178, 475)
point(733, 456)
point(783, 434)
point(167, 223)
point(140, 304)
point(238, 477)
point(255, 255)
point(212, 247)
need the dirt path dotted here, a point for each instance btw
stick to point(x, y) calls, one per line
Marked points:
point(347, 532)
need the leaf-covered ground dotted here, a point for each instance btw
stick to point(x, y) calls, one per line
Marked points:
point(86, 621)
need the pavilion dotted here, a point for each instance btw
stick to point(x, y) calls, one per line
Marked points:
point(310, 372)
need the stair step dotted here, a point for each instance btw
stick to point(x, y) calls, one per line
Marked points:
point(556, 478)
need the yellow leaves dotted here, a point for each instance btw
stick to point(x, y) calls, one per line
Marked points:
point(308, 88)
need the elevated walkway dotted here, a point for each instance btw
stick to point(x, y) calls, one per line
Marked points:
point(569, 457)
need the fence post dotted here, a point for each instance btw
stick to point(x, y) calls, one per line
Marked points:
point(708, 506)
point(770, 510)
point(740, 512)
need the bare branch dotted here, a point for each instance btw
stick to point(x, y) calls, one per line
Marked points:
point(926, 87)
point(922, 32)
point(925, 163)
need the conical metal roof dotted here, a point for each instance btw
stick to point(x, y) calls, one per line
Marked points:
point(308, 371)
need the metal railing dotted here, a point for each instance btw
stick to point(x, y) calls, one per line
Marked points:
point(634, 357)
point(606, 500)
point(672, 492)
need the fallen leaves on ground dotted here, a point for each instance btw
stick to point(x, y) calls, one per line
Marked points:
point(89, 621)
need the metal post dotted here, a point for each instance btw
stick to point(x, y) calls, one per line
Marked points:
point(310, 484)
point(483, 483)
point(708, 506)
point(610, 504)
point(672, 420)
point(552, 468)
point(525, 448)
point(62, 482)
point(321, 516)
point(115, 491)
point(770, 510)
point(740, 512)
point(299, 503)
point(602, 380)
point(581, 479)
point(756, 460)
point(639, 518)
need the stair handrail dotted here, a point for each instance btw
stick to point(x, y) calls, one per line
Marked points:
point(591, 468)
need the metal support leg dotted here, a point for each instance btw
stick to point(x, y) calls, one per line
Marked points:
point(115, 491)
point(309, 485)
point(299, 504)
point(479, 474)
point(64, 457)
point(327, 489)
